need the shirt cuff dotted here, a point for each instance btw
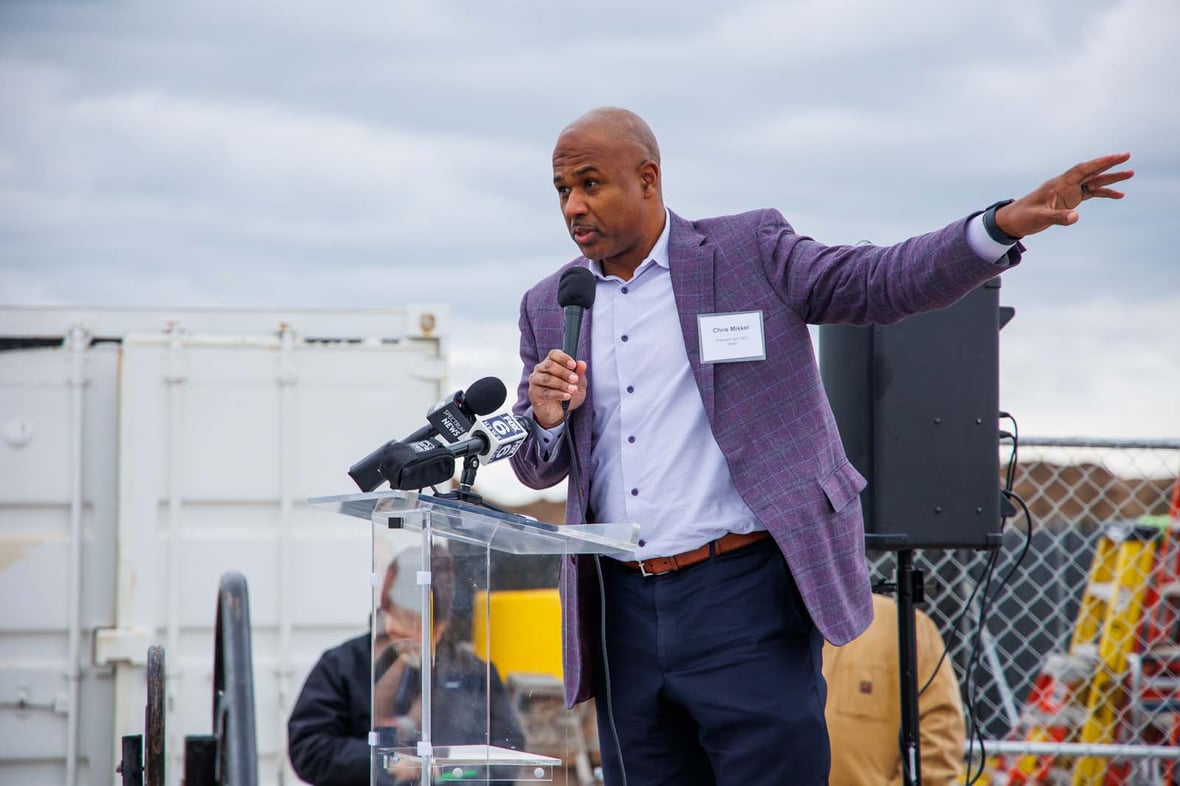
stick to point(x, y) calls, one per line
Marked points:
point(983, 245)
point(549, 440)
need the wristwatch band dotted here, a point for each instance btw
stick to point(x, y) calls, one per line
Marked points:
point(993, 230)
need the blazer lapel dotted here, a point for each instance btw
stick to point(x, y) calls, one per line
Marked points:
point(690, 263)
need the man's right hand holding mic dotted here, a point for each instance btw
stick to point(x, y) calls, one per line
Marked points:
point(557, 378)
point(558, 382)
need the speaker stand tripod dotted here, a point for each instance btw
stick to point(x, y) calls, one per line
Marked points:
point(907, 587)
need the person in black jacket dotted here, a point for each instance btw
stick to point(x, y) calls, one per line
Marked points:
point(329, 726)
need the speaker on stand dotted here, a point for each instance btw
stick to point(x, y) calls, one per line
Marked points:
point(917, 405)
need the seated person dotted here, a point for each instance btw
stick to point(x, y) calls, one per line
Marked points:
point(864, 705)
point(329, 726)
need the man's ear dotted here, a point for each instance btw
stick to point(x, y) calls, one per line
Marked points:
point(649, 177)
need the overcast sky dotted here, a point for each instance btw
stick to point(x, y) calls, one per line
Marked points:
point(303, 154)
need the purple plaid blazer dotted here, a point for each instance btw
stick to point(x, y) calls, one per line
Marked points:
point(770, 418)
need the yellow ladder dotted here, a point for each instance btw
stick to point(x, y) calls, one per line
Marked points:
point(1108, 621)
point(1075, 697)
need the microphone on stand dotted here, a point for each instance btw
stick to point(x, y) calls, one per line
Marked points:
point(410, 466)
point(453, 418)
point(494, 438)
point(455, 415)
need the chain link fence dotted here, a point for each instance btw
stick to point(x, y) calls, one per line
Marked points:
point(1065, 679)
point(1105, 708)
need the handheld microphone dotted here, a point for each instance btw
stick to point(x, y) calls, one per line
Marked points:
point(575, 294)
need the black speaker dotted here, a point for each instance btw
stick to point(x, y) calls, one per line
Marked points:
point(917, 404)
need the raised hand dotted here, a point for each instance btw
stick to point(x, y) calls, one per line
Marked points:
point(1055, 202)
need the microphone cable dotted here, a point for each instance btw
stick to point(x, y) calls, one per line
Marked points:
point(575, 294)
point(575, 478)
point(971, 688)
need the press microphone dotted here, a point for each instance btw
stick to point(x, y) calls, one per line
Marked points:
point(494, 438)
point(453, 416)
point(410, 466)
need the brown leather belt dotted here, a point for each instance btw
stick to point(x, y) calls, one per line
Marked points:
point(656, 566)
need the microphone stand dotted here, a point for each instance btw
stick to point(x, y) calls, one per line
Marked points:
point(465, 493)
point(908, 588)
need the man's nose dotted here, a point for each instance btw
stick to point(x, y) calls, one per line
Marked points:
point(574, 206)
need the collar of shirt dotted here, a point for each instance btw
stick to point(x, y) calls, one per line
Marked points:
point(657, 256)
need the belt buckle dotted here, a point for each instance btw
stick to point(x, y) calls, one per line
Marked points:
point(646, 573)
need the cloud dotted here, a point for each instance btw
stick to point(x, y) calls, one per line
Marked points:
point(388, 153)
point(1102, 368)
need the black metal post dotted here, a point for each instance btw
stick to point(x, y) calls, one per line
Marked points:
point(131, 767)
point(200, 760)
point(909, 592)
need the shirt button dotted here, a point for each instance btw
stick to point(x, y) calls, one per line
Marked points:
point(634, 492)
point(630, 389)
point(625, 290)
point(641, 542)
point(624, 336)
point(631, 439)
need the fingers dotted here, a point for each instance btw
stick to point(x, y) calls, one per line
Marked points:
point(1102, 193)
point(1101, 181)
point(1055, 201)
point(555, 378)
point(1097, 186)
point(557, 382)
point(1082, 172)
point(1062, 217)
point(1092, 180)
point(549, 387)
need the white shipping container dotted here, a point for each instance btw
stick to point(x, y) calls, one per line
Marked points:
point(145, 453)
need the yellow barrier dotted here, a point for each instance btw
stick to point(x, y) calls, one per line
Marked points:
point(526, 630)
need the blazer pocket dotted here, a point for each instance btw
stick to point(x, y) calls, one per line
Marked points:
point(842, 486)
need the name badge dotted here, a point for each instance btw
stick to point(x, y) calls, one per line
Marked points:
point(729, 338)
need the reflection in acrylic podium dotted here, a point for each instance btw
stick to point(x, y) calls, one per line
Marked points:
point(439, 712)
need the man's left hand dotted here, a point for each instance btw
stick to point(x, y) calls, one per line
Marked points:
point(1056, 201)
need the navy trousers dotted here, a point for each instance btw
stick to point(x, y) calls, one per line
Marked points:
point(715, 676)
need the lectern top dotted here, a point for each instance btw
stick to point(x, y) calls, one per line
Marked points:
point(507, 532)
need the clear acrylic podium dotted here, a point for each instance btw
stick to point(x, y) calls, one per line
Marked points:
point(440, 712)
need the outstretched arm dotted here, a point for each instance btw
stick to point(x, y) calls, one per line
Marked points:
point(1055, 202)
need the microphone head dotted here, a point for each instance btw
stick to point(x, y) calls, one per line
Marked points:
point(366, 473)
point(502, 435)
point(576, 288)
point(486, 395)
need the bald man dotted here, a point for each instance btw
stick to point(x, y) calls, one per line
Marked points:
point(696, 410)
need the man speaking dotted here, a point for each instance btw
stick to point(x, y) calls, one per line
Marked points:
point(695, 409)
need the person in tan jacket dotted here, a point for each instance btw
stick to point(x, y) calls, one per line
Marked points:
point(864, 705)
